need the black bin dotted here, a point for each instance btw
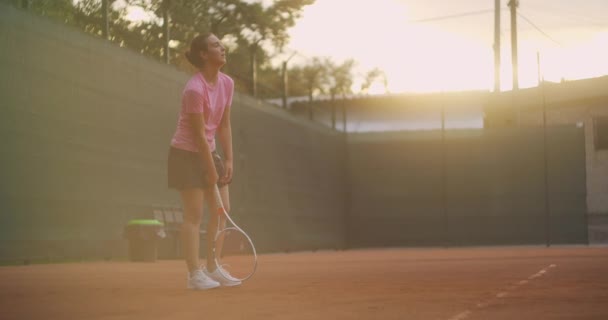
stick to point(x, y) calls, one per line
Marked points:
point(143, 236)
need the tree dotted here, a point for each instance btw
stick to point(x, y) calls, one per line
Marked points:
point(341, 78)
point(373, 76)
point(262, 27)
point(315, 76)
point(61, 10)
point(252, 28)
point(341, 81)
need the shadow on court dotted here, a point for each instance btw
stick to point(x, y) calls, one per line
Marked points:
point(445, 284)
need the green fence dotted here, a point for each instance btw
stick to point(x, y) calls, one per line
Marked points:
point(86, 127)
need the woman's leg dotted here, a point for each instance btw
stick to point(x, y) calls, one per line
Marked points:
point(212, 227)
point(192, 200)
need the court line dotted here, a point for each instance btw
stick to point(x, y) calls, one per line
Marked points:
point(502, 294)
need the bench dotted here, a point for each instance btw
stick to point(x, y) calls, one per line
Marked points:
point(172, 218)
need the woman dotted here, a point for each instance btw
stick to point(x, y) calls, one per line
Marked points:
point(194, 165)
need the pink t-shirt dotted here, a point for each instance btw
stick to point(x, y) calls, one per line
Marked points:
point(200, 97)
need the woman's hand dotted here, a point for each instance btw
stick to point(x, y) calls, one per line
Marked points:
point(227, 178)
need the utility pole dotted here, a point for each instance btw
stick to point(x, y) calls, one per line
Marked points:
point(513, 4)
point(538, 68)
point(496, 45)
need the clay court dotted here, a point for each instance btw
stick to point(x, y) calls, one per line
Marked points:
point(445, 284)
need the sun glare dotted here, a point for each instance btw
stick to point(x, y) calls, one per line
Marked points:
point(432, 57)
point(578, 61)
point(418, 58)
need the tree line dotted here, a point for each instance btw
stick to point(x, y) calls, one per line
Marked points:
point(253, 33)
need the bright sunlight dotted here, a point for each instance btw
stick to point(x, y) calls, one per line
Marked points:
point(450, 55)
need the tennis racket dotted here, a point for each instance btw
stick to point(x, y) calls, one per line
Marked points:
point(233, 250)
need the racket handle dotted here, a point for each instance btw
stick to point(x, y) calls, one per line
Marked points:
point(218, 199)
point(221, 211)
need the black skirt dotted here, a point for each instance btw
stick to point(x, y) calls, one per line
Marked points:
point(186, 171)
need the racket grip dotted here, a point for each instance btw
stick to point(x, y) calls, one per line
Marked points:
point(218, 199)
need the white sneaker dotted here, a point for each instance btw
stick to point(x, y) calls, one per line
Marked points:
point(198, 280)
point(225, 281)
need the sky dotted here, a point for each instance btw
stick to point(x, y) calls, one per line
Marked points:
point(454, 54)
point(568, 37)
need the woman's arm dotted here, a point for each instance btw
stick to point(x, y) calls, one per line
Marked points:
point(225, 139)
point(197, 123)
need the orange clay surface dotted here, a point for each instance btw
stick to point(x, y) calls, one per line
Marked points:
point(444, 284)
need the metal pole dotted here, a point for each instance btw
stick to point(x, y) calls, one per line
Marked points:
point(333, 112)
point(538, 68)
point(513, 4)
point(106, 23)
point(285, 83)
point(444, 209)
point(545, 161)
point(347, 191)
point(254, 74)
point(344, 125)
point(496, 45)
point(166, 30)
